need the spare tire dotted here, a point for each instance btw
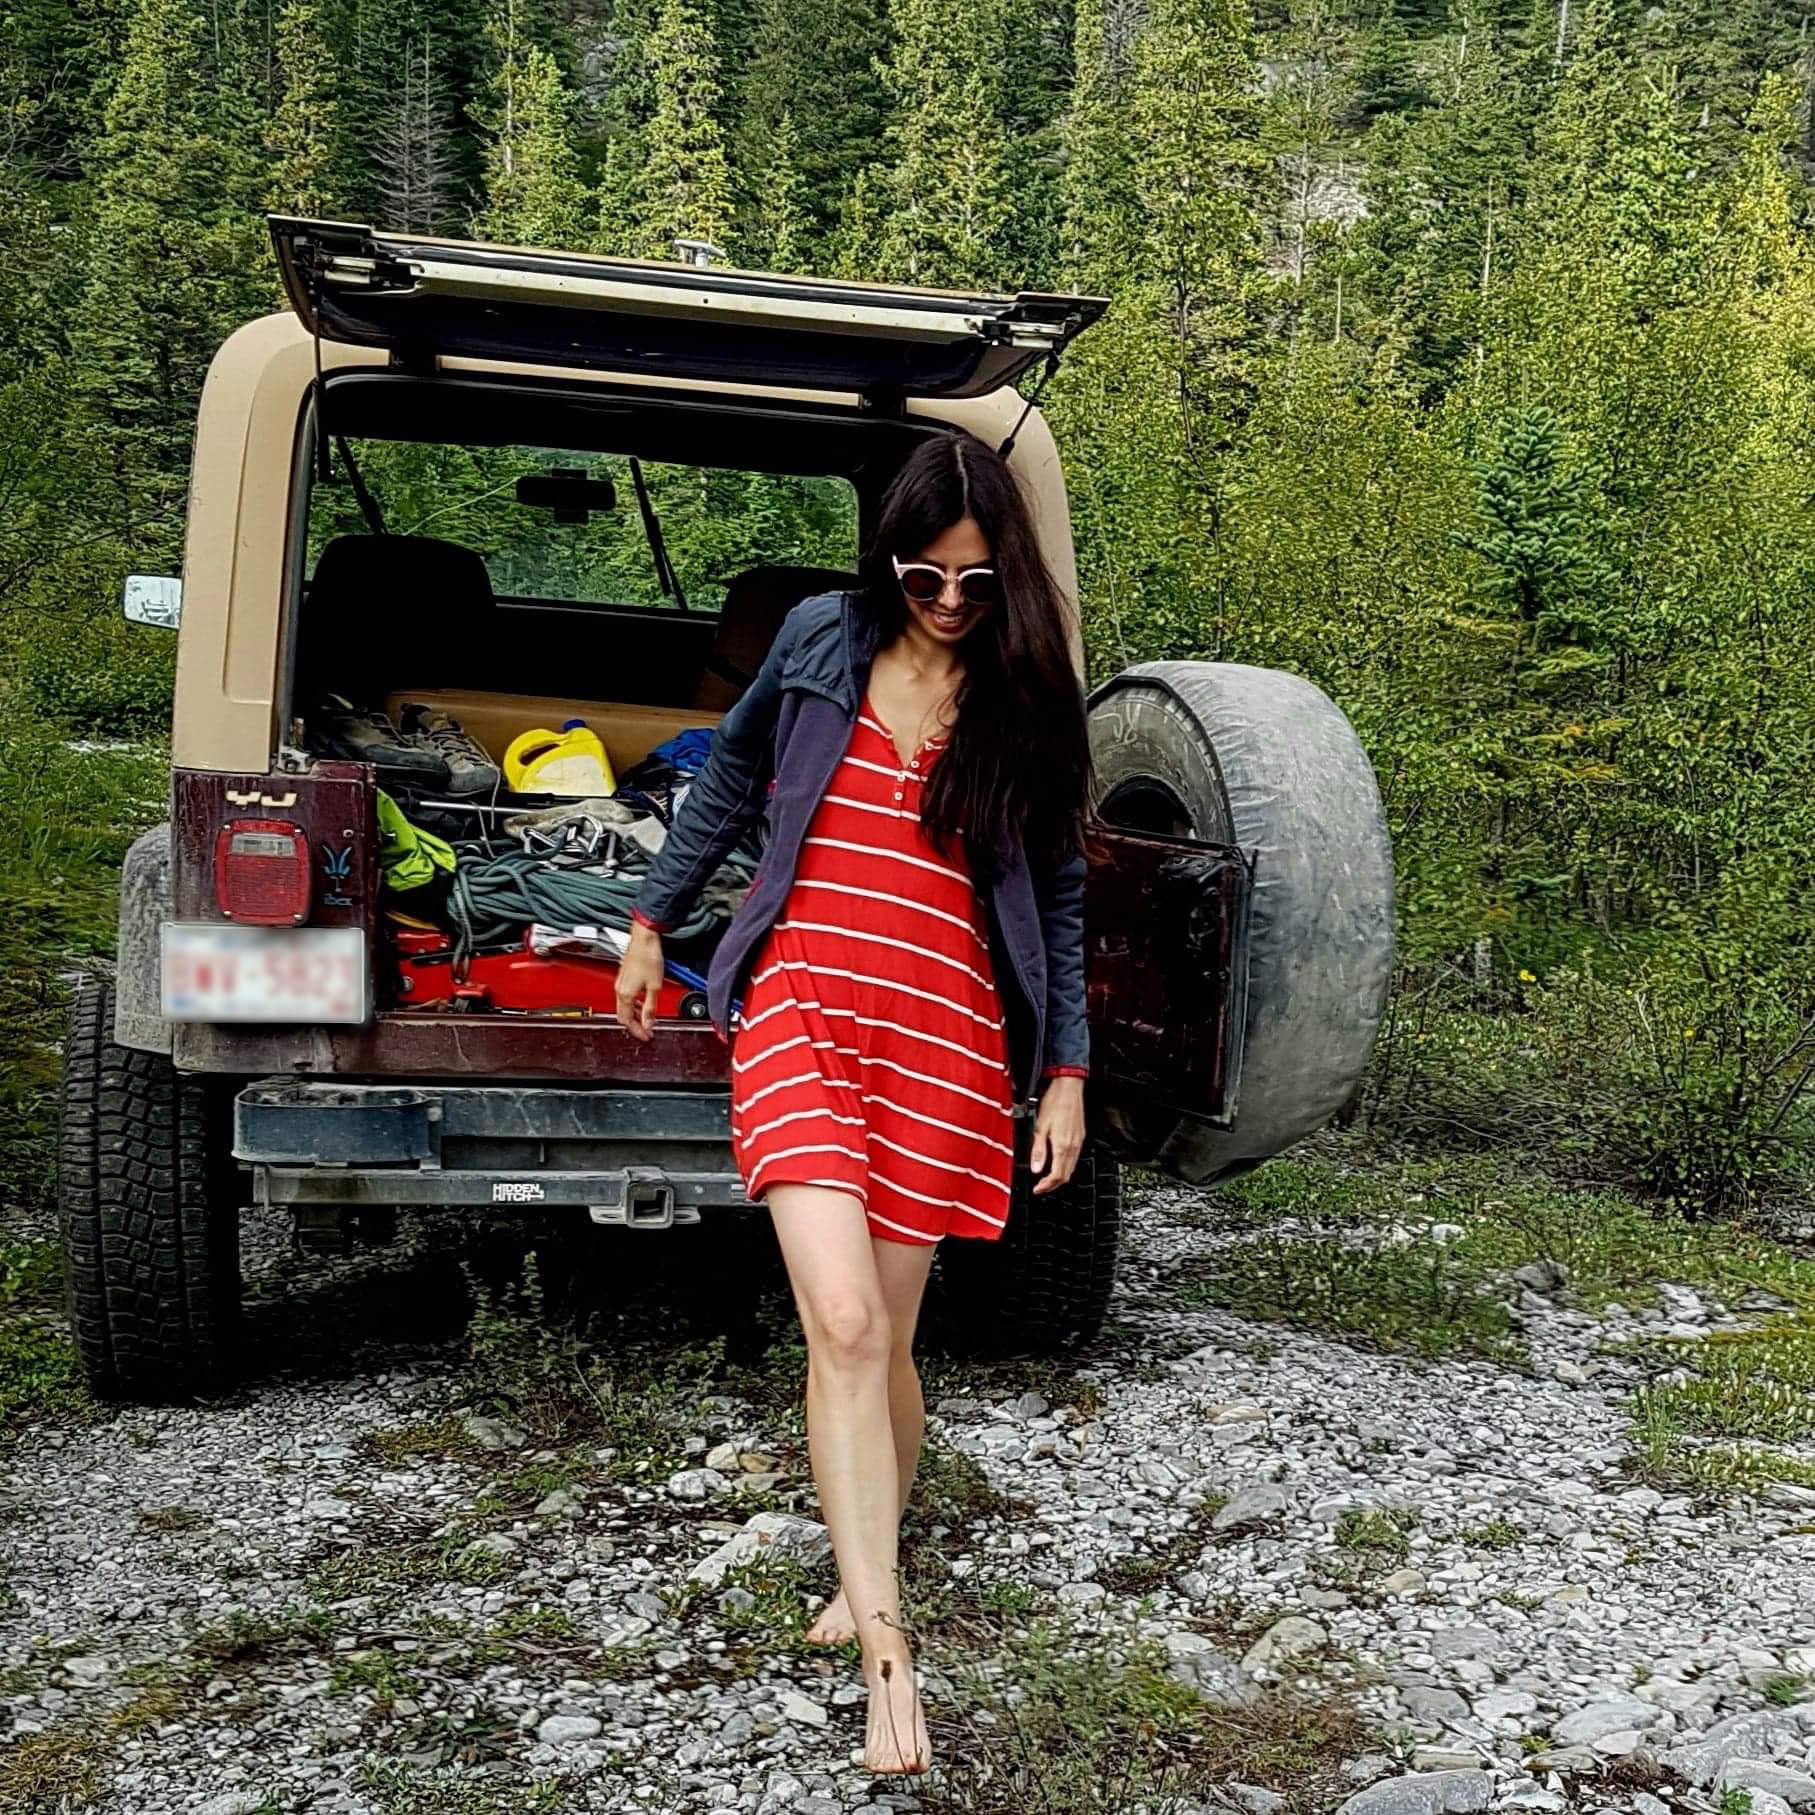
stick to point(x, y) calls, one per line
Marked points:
point(1262, 759)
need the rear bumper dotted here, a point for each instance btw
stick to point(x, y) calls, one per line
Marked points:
point(401, 1045)
point(640, 1157)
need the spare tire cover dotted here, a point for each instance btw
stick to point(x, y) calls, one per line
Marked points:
point(1263, 759)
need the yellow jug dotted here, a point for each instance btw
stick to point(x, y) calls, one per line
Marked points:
point(570, 761)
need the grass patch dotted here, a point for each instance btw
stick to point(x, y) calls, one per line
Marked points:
point(387, 1573)
point(1668, 1453)
point(1059, 1721)
point(1496, 1534)
point(951, 1488)
point(525, 1490)
point(243, 1641)
point(1420, 1298)
point(1055, 1380)
point(382, 1675)
point(46, 1773)
point(66, 818)
point(406, 1789)
point(170, 1520)
point(1376, 1533)
point(1142, 1572)
point(39, 1376)
point(1412, 1258)
point(446, 1438)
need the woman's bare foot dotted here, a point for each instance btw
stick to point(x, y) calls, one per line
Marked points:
point(834, 1624)
point(895, 1740)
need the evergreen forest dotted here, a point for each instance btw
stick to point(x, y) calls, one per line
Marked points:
point(1460, 356)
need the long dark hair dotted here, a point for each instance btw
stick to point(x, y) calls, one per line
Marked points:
point(1018, 758)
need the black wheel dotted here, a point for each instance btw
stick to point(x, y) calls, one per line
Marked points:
point(1044, 1285)
point(147, 1201)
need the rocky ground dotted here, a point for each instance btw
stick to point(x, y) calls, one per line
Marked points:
point(430, 1558)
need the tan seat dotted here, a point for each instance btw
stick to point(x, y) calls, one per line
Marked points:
point(756, 601)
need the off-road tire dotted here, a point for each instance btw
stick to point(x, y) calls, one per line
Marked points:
point(149, 1214)
point(1261, 759)
point(1043, 1286)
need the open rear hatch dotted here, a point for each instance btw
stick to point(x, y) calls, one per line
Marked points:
point(429, 298)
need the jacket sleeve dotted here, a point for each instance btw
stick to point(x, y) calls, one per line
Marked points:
point(1062, 926)
point(723, 801)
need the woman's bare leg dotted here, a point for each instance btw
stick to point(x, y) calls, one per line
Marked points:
point(903, 1269)
point(826, 1245)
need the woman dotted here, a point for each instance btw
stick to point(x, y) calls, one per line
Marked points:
point(922, 746)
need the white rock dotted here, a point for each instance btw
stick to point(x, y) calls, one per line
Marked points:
point(1423, 1793)
point(568, 1729)
point(1505, 1704)
point(1285, 1640)
point(1796, 1788)
point(493, 1433)
point(797, 1707)
point(1620, 1744)
point(1611, 1715)
point(1739, 1736)
point(1259, 1503)
point(697, 1484)
point(804, 1541)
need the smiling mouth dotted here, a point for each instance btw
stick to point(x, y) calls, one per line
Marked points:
point(948, 620)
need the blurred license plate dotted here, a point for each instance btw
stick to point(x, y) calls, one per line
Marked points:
point(264, 973)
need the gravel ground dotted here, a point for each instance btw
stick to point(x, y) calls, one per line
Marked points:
point(277, 1602)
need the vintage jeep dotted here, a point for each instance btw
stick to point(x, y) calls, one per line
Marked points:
point(405, 493)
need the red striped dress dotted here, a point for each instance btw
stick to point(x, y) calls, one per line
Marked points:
point(870, 1053)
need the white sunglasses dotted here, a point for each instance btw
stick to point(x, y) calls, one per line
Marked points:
point(924, 583)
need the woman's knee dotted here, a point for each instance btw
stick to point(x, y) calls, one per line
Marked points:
point(850, 1331)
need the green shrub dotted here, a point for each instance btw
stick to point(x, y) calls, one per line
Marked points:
point(92, 675)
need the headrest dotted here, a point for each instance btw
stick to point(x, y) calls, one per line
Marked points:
point(374, 598)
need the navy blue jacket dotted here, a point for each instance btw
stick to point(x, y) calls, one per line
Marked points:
point(792, 726)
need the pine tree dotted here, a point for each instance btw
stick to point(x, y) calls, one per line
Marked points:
point(851, 246)
point(1098, 232)
point(178, 259)
point(1203, 182)
point(817, 66)
point(533, 192)
point(416, 178)
point(781, 224)
point(683, 190)
point(414, 74)
point(947, 179)
point(303, 138)
point(1310, 102)
point(1386, 72)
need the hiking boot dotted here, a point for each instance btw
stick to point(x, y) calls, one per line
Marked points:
point(469, 770)
point(345, 730)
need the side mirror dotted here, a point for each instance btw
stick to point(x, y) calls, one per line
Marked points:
point(154, 599)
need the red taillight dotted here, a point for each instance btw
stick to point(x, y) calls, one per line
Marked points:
point(261, 872)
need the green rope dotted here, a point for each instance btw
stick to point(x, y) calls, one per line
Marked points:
point(495, 896)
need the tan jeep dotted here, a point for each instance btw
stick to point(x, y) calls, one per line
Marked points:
point(407, 494)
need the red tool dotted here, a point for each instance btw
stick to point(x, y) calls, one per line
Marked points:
point(518, 981)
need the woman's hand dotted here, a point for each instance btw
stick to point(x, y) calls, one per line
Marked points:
point(640, 980)
point(1058, 1133)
